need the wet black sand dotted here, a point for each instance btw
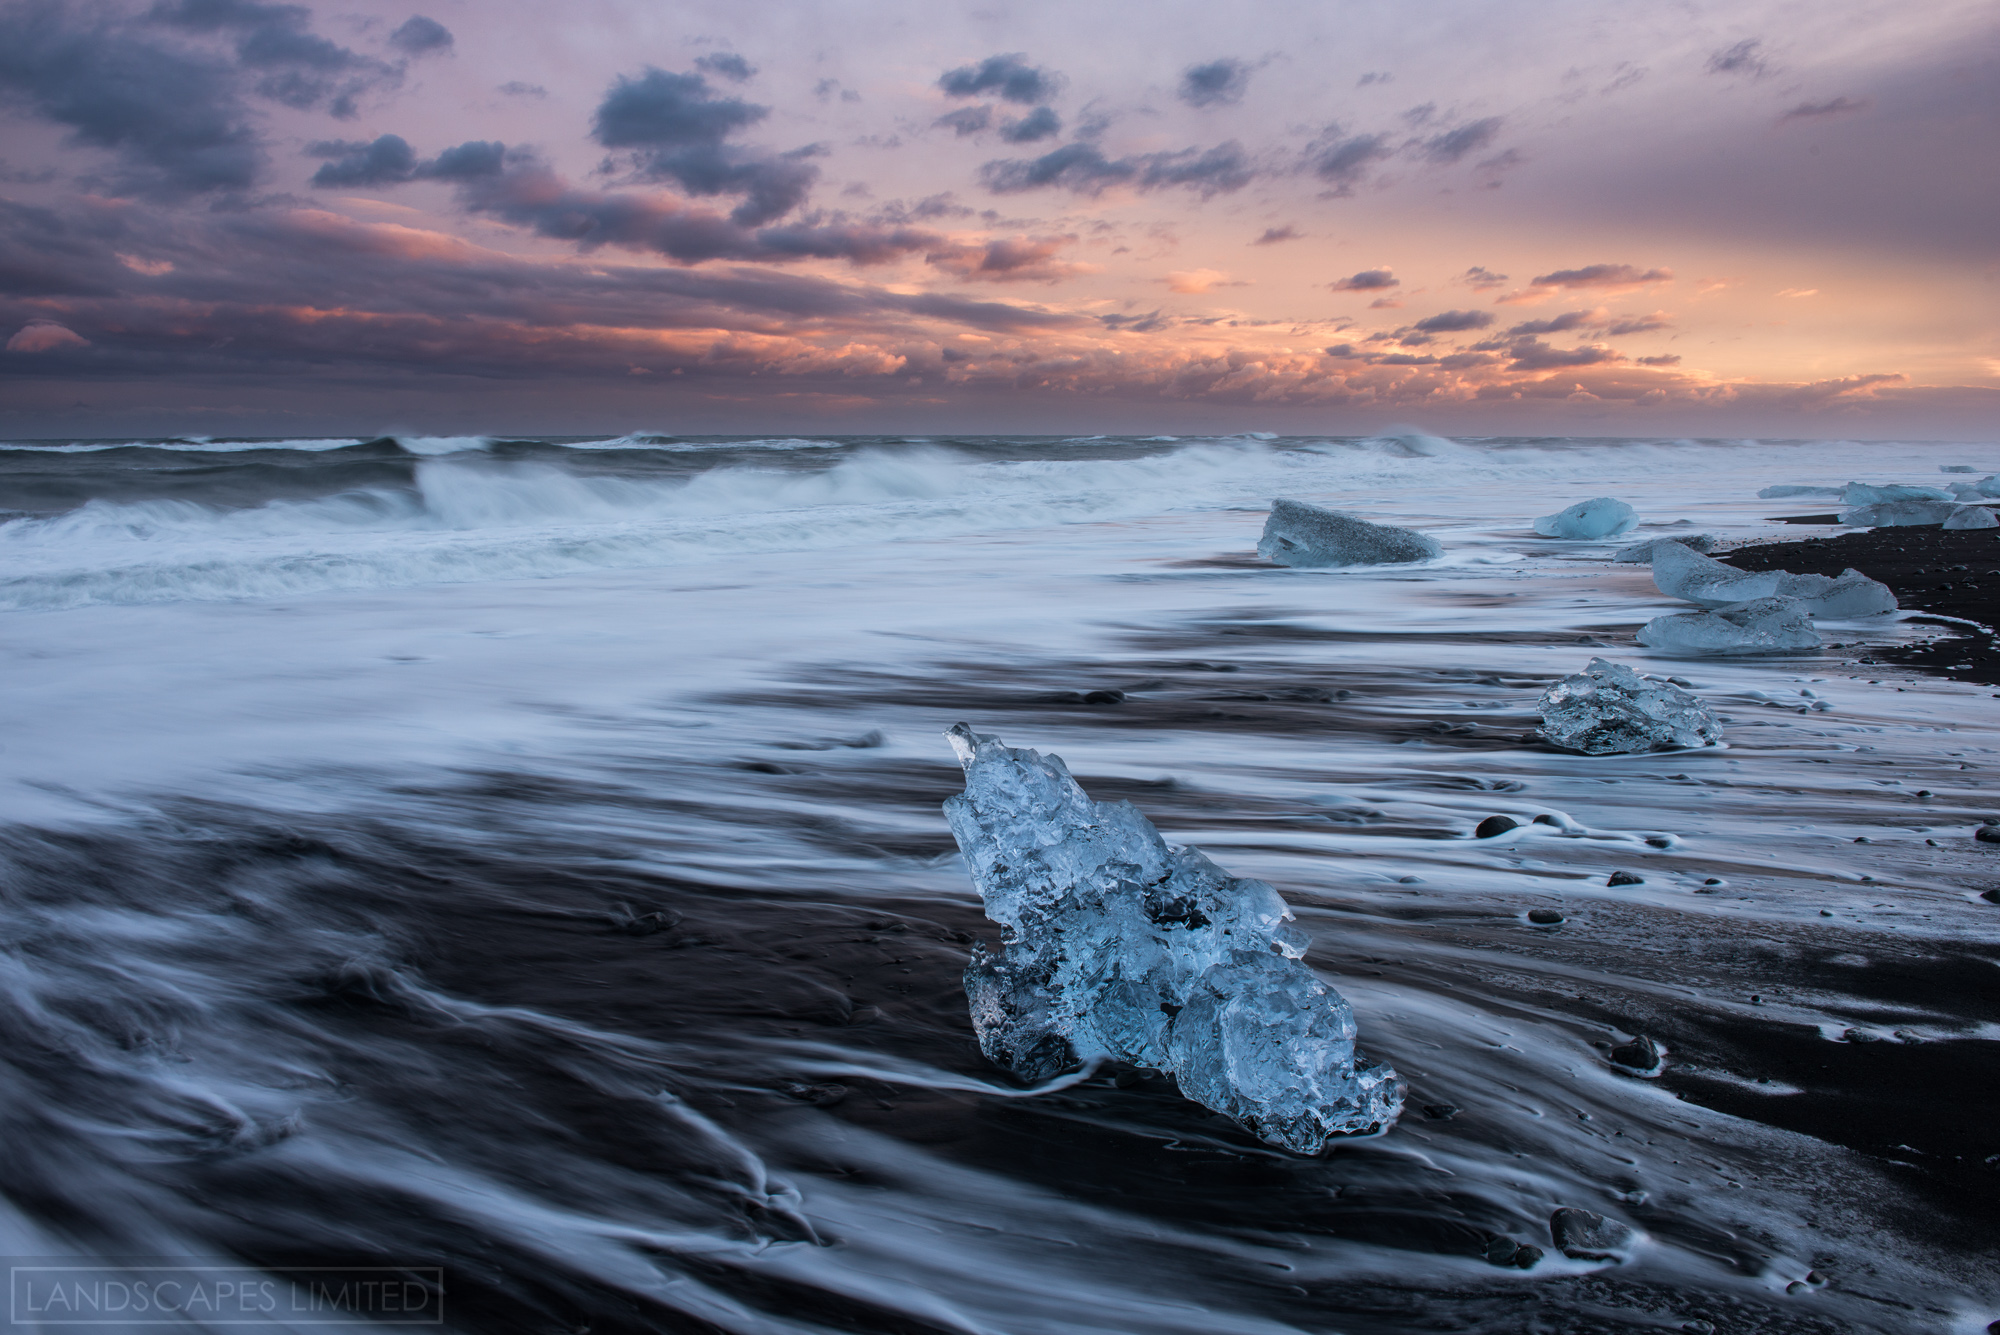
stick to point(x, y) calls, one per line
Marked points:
point(1947, 574)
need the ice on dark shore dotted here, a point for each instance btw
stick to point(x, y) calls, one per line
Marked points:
point(1900, 513)
point(1298, 534)
point(1762, 626)
point(1608, 709)
point(1971, 516)
point(1121, 946)
point(1641, 553)
point(1863, 493)
point(1681, 573)
point(1602, 517)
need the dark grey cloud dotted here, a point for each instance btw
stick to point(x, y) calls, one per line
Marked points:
point(662, 110)
point(1007, 76)
point(299, 68)
point(967, 120)
point(675, 126)
point(1832, 107)
point(1558, 325)
point(1218, 83)
point(388, 160)
point(1481, 279)
point(44, 253)
point(1041, 123)
point(1664, 359)
point(1455, 322)
point(1746, 57)
point(1342, 161)
point(420, 36)
point(1084, 169)
point(1531, 354)
point(1455, 144)
point(1368, 280)
point(171, 116)
point(728, 65)
point(516, 88)
point(1602, 275)
point(1273, 235)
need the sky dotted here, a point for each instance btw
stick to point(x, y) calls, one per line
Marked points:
point(1497, 217)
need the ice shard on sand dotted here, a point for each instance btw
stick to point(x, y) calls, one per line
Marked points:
point(1118, 945)
point(1608, 709)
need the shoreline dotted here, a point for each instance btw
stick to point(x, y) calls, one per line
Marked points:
point(1948, 577)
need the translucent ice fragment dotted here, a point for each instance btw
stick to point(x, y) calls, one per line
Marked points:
point(1862, 493)
point(1785, 489)
point(1599, 518)
point(1763, 626)
point(1117, 944)
point(1641, 553)
point(1898, 514)
point(1971, 516)
point(1608, 709)
point(1298, 534)
point(1705, 581)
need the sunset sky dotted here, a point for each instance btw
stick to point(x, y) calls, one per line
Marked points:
point(230, 217)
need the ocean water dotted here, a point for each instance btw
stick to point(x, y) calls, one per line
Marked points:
point(523, 857)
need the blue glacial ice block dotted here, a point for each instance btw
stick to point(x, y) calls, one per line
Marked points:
point(1603, 517)
point(1297, 534)
point(1121, 946)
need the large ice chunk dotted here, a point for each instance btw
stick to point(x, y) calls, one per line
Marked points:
point(1599, 518)
point(1898, 514)
point(1862, 493)
point(1680, 573)
point(1971, 516)
point(1608, 709)
point(1765, 626)
point(1117, 944)
point(1298, 534)
point(1642, 552)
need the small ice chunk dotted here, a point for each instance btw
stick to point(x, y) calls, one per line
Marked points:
point(1592, 519)
point(1298, 534)
point(1971, 516)
point(1862, 493)
point(1898, 514)
point(1783, 490)
point(1117, 944)
point(1641, 553)
point(1762, 626)
point(1705, 581)
point(1989, 485)
point(1608, 709)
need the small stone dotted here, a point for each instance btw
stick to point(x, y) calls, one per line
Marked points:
point(1625, 878)
point(1987, 834)
point(1544, 917)
point(1863, 839)
point(1495, 825)
point(1409, 880)
point(1546, 819)
point(1756, 999)
point(820, 1096)
point(1642, 1056)
point(1441, 1112)
point(1715, 880)
point(1826, 913)
point(1526, 1255)
point(1990, 896)
point(1585, 1236)
point(1104, 697)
